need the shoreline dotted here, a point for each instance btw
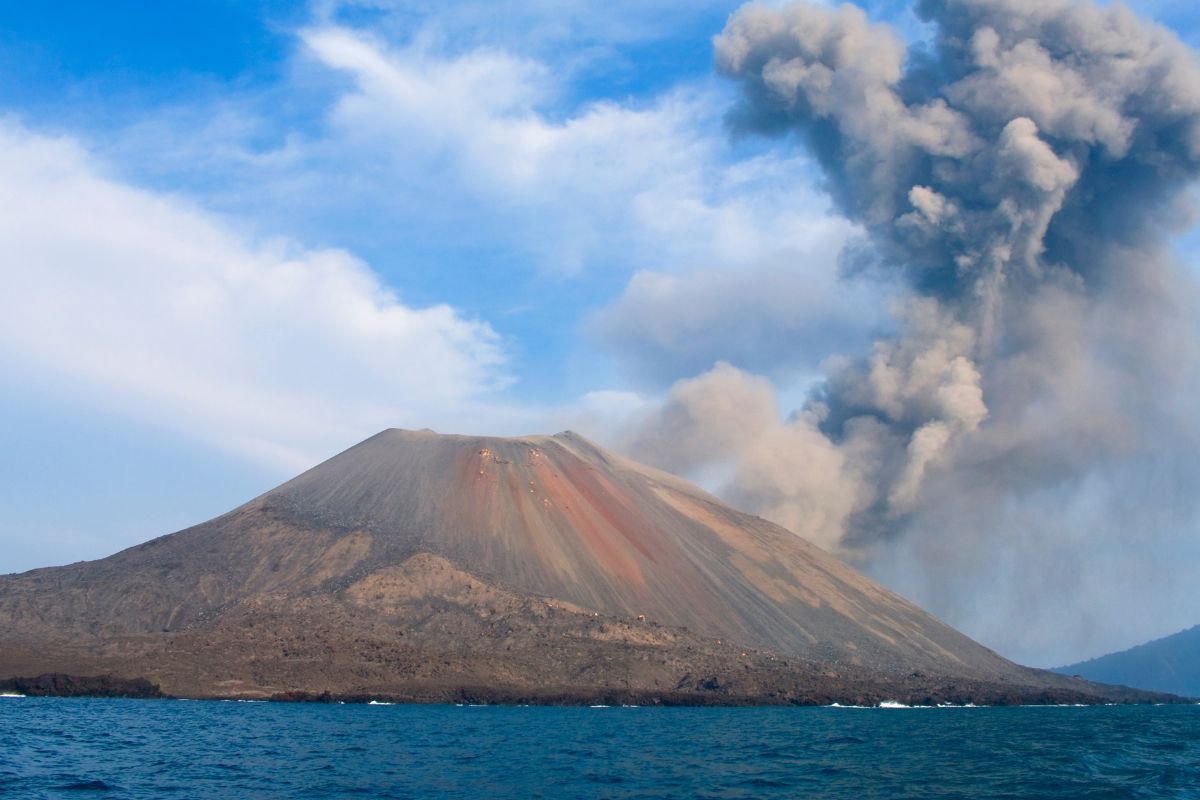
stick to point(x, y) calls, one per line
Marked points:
point(1000, 696)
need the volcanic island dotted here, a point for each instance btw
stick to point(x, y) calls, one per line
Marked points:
point(420, 567)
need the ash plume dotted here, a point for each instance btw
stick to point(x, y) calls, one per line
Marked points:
point(1024, 173)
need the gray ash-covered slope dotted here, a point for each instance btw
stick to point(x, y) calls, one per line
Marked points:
point(415, 562)
point(560, 517)
point(1169, 664)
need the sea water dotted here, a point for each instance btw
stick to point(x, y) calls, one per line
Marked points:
point(179, 749)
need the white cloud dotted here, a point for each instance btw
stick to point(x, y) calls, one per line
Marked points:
point(169, 314)
point(183, 318)
point(622, 185)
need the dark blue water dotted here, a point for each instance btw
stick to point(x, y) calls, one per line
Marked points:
point(165, 749)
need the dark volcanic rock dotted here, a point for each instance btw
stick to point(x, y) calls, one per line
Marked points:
point(54, 684)
point(456, 569)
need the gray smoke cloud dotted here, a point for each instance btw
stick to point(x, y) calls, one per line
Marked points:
point(1025, 443)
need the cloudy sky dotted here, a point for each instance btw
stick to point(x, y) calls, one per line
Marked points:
point(240, 236)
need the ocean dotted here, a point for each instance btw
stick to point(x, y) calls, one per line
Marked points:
point(52, 747)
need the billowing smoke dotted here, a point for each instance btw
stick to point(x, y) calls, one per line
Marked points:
point(1021, 455)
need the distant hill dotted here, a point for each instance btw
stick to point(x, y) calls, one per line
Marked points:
point(1170, 664)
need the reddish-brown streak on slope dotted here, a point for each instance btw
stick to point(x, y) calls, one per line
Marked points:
point(570, 501)
point(471, 471)
point(611, 508)
point(516, 509)
point(670, 573)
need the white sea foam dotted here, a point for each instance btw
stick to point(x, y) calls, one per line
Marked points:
point(379, 703)
point(896, 704)
point(10, 694)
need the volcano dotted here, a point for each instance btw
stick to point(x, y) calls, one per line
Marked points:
point(420, 566)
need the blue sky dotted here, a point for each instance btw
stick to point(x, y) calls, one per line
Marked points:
point(242, 236)
point(264, 122)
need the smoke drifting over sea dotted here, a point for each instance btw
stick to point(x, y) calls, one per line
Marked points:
point(1020, 456)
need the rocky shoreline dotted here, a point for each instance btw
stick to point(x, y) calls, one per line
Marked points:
point(56, 684)
point(919, 693)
